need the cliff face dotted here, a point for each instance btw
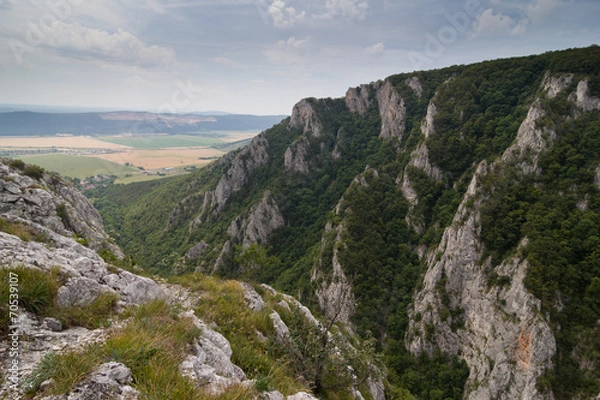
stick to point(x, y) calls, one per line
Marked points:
point(503, 335)
point(86, 328)
point(451, 214)
point(47, 200)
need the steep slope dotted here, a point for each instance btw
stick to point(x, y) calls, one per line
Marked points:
point(75, 325)
point(451, 214)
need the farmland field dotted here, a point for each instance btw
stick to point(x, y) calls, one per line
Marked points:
point(65, 142)
point(164, 158)
point(85, 156)
point(151, 142)
point(77, 166)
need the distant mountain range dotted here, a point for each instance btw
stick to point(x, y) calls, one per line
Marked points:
point(28, 123)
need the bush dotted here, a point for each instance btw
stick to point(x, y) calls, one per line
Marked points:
point(34, 171)
point(16, 164)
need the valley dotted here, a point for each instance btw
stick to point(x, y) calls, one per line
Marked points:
point(429, 235)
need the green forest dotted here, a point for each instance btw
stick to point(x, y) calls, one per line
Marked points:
point(480, 108)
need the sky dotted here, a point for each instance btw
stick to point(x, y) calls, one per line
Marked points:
point(258, 56)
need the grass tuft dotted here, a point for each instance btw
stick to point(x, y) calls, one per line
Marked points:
point(22, 231)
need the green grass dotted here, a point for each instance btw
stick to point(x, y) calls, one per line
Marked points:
point(152, 345)
point(22, 231)
point(36, 292)
point(153, 142)
point(78, 166)
point(223, 303)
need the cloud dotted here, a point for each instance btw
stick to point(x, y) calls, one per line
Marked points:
point(291, 51)
point(347, 9)
point(375, 49)
point(538, 9)
point(121, 47)
point(490, 23)
point(283, 16)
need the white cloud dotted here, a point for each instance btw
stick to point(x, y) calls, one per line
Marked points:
point(347, 9)
point(490, 23)
point(121, 47)
point(377, 48)
point(291, 51)
point(284, 16)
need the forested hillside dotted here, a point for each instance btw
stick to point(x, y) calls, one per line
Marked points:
point(453, 214)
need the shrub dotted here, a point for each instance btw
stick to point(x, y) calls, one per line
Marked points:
point(34, 171)
point(17, 164)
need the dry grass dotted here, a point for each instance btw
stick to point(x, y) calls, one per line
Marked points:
point(164, 158)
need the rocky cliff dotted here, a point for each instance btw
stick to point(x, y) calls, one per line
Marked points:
point(452, 215)
point(83, 328)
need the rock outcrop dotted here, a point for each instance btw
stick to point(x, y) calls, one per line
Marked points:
point(391, 106)
point(242, 165)
point(210, 365)
point(334, 291)
point(392, 111)
point(49, 201)
point(304, 116)
point(358, 99)
point(295, 158)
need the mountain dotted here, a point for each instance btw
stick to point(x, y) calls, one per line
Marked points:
point(79, 320)
point(27, 123)
point(453, 215)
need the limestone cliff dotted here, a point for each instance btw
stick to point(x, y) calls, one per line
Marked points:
point(49, 201)
point(500, 330)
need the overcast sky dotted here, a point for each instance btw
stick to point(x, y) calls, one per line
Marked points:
point(258, 56)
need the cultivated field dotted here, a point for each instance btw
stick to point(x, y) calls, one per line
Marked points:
point(163, 158)
point(77, 166)
point(69, 142)
point(84, 156)
point(160, 141)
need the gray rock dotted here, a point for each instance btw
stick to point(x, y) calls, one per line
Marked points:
point(281, 329)
point(301, 396)
point(304, 116)
point(52, 324)
point(210, 363)
point(242, 165)
point(255, 302)
point(41, 201)
point(134, 289)
point(273, 395)
point(358, 99)
point(295, 158)
point(415, 84)
point(263, 218)
point(79, 292)
point(334, 292)
point(110, 381)
point(583, 98)
point(392, 111)
point(196, 250)
point(554, 84)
